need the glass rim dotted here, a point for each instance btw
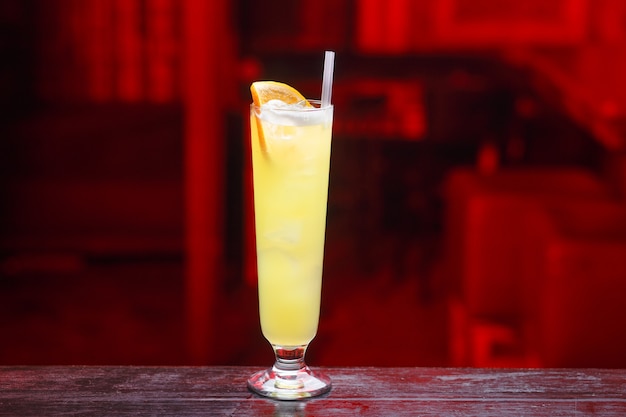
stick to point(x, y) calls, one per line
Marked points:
point(315, 102)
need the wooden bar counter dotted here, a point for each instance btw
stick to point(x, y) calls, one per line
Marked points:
point(221, 391)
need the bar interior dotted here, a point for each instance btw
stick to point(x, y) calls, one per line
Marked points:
point(476, 216)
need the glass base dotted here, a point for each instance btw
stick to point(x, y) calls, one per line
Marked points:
point(303, 384)
point(290, 378)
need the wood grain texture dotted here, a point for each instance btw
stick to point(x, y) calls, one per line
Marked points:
point(221, 391)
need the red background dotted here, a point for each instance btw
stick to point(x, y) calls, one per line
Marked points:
point(476, 213)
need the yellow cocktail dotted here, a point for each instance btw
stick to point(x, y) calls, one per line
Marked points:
point(290, 193)
point(290, 159)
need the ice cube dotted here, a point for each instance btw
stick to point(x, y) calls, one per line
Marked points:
point(276, 104)
point(290, 233)
point(277, 265)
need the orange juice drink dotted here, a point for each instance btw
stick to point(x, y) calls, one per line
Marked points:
point(290, 157)
point(290, 163)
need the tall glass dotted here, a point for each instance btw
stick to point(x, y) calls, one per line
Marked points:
point(290, 162)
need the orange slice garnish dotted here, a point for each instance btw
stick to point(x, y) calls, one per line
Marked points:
point(265, 91)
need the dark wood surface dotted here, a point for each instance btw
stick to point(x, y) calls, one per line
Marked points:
point(221, 391)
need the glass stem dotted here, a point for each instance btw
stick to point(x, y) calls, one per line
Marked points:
point(289, 363)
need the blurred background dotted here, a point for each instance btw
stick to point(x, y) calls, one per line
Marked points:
point(476, 202)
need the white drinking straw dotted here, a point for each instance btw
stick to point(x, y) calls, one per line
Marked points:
point(327, 79)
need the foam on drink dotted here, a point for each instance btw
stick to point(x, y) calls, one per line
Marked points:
point(278, 112)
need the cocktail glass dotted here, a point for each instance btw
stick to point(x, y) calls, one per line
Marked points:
point(290, 163)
